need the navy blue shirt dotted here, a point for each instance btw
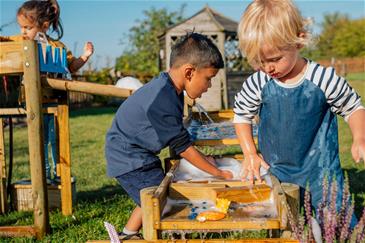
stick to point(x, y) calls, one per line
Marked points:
point(148, 121)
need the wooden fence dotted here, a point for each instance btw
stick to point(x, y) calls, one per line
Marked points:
point(344, 66)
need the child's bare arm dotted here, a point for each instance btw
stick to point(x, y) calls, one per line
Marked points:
point(357, 125)
point(252, 161)
point(197, 159)
point(76, 64)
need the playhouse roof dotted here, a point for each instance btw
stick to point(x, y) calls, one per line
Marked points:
point(222, 22)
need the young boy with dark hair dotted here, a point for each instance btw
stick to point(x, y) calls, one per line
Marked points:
point(152, 119)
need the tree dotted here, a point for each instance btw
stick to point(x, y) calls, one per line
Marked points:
point(330, 25)
point(349, 40)
point(142, 54)
point(340, 37)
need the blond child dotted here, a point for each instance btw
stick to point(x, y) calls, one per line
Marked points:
point(296, 99)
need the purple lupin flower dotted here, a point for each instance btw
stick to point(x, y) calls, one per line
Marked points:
point(360, 228)
point(308, 212)
point(331, 215)
point(345, 229)
point(344, 203)
point(293, 224)
point(323, 203)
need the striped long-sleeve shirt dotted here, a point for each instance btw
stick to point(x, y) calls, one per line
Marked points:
point(339, 95)
point(297, 131)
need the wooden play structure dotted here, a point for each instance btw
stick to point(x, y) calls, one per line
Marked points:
point(33, 61)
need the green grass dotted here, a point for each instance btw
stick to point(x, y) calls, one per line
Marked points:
point(356, 76)
point(101, 199)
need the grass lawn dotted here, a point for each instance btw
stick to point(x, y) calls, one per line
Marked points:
point(100, 198)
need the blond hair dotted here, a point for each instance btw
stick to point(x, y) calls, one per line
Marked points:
point(274, 23)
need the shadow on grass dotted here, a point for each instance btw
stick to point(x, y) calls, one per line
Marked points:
point(92, 111)
point(100, 194)
point(357, 187)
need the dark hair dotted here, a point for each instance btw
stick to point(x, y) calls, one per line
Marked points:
point(41, 11)
point(198, 50)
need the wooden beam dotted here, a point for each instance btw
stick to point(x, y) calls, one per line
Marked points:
point(22, 111)
point(11, 57)
point(224, 224)
point(205, 241)
point(33, 96)
point(87, 87)
point(17, 231)
point(3, 191)
point(148, 221)
point(63, 127)
point(215, 142)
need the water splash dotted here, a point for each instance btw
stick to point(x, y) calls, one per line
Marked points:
point(201, 110)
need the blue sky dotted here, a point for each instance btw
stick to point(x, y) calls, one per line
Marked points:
point(106, 23)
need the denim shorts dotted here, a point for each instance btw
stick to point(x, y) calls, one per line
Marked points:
point(134, 181)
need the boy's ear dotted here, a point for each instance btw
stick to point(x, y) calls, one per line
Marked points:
point(188, 71)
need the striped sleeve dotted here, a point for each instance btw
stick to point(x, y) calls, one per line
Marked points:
point(248, 99)
point(342, 98)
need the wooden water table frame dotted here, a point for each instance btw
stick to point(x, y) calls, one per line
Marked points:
point(23, 58)
point(154, 199)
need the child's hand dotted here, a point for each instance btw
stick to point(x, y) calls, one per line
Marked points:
point(358, 150)
point(88, 50)
point(227, 175)
point(251, 167)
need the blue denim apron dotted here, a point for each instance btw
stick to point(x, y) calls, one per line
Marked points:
point(298, 137)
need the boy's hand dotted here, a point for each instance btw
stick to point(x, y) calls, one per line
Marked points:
point(358, 150)
point(227, 175)
point(251, 167)
point(88, 51)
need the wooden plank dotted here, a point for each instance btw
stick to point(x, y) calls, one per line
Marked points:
point(245, 194)
point(62, 119)
point(206, 241)
point(215, 142)
point(192, 191)
point(3, 191)
point(17, 231)
point(226, 183)
point(148, 221)
point(33, 96)
point(22, 111)
point(11, 57)
point(162, 188)
point(87, 87)
point(224, 224)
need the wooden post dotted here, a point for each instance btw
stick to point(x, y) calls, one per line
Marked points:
point(3, 193)
point(149, 231)
point(64, 155)
point(33, 99)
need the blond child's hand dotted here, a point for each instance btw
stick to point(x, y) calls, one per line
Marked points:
point(358, 150)
point(227, 175)
point(251, 167)
point(88, 51)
